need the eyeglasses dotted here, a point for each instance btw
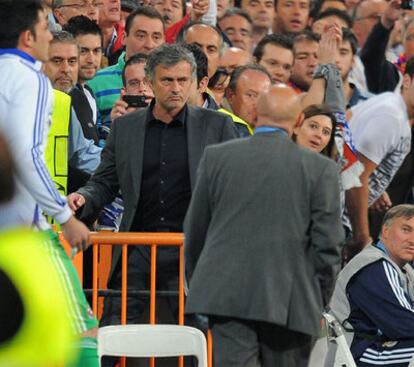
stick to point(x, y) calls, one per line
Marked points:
point(375, 16)
point(82, 5)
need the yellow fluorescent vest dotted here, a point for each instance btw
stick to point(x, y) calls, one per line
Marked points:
point(237, 119)
point(45, 336)
point(56, 153)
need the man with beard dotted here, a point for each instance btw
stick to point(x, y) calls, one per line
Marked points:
point(89, 38)
point(62, 70)
point(344, 62)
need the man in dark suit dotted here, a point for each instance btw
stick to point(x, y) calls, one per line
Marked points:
point(263, 235)
point(152, 155)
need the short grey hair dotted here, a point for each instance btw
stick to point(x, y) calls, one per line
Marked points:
point(64, 37)
point(168, 56)
point(398, 211)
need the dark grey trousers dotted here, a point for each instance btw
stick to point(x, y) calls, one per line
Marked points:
point(244, 343)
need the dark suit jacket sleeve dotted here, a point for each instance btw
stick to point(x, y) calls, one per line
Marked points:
point(103, 186)
point(229, 130)
point(197, 219)
point(326, 232)
point(381, 74)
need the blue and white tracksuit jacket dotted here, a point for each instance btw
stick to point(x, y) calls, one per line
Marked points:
point(26, 102)
point(373, 297)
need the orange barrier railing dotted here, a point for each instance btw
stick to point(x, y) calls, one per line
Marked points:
point(102, 263)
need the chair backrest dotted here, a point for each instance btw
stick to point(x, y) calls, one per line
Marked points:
point(337, 342)
point(152, 341)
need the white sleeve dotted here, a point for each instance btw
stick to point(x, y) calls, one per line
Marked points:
point(27, 105)
point(377, 137)
point(211, 16)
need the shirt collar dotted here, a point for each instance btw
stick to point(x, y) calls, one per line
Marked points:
point(180, 117)
point(15, 51)
point(270, 129)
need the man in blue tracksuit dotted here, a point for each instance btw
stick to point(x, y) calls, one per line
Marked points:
point(374, 294)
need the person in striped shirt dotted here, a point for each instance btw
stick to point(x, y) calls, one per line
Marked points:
point(374, 295)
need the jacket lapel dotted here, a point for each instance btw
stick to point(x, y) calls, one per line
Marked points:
point(195, 141)
point(136, 152)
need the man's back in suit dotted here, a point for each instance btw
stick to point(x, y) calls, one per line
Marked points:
point(262, 239)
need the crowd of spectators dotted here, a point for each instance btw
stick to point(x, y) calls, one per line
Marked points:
point(349, 61)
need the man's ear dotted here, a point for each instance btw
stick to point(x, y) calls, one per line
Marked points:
point(123, 36)
point(25, 39)
point(406, 83)
point(123, 92)
point(299, 122)
point(149, 82)
point(59, 16)
point(229, 93)
point(202, 86)
point(384, 232)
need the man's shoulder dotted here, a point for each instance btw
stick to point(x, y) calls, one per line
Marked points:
point(136, 118)
point(381, 103)
point(206, 115)
point(109, 75)
point(12, 66)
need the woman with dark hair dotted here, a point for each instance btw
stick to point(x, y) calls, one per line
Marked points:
point(317, 132)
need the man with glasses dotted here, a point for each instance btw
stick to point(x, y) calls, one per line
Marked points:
point(381, 74)
point(367, 15)
point(134, 84)
point(63, 10)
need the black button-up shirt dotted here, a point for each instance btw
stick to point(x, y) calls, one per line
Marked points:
point(165, 183)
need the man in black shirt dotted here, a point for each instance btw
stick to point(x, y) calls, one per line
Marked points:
point(152, 156)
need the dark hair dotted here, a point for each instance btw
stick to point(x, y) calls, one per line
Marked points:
point(17, 17)
point(81, 25)
point(348, 35)
point(324, 110)
point(333, 12)
point(237, 73)
point(317, 6)
point(409, 67)
point(168, 56)
point(276, 39)
point(305, 35)
point(138, 58)
point(200, 59)
point(236, 11)
point(145, 11)
point(220, 72)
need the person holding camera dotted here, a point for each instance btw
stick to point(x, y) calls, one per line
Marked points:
point(136, 91)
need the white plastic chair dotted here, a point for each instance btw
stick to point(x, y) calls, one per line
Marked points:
point(336, 338)
point(152, 341)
